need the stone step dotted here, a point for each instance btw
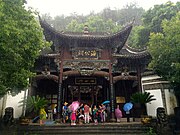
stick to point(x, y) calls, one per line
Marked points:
point(87, 129)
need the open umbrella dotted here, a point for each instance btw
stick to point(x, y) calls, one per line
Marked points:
point(106, 102)
point(74, 106)
point(127, 107)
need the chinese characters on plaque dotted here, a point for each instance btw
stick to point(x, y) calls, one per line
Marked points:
point(85, 53)
point(120, 100)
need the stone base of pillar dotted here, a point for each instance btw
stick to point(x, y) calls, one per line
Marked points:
point(112, 120)
point(59, 120)
point(58, 116)
point(112, 117)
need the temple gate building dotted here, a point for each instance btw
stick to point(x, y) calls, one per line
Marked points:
point(88, 67)
point(91, 68)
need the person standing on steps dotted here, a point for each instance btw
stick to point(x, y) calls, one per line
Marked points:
point(54, 108)
point(108, 112)
point(118, 113)
point(104, 112)
point(73, 117)
point(50, 112)
point(65, 112)
point(86, 113)
point(95, 115)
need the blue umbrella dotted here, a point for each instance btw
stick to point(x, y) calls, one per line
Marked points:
point(127, 107)
point(106, 102)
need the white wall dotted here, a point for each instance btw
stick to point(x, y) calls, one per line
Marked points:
point(1, 106)
point(151, 77)
point(151, 107)
point(13, 101)
point(171, 101)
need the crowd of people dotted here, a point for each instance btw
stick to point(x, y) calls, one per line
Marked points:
point(86, 114)
point(83, 113)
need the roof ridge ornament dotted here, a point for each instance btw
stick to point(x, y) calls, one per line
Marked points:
point(86, 30)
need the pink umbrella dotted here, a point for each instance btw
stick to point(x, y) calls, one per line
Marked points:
point(74, 106)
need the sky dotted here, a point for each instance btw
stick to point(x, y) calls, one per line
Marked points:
point(84, 7)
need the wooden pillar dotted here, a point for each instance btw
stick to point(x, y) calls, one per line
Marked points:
point(72, 98)
point(79, 94)
point(139, 78)
point(60, 84)
point(59, 100)
point(112, 98)
point(63, 95)
point(96, 97)
point(92, 95)
point(108, 95)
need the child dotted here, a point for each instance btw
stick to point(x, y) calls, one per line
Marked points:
point(73, 118)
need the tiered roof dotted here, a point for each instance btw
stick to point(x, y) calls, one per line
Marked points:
point(123, 54)
point(116, 40)
point(128, 52)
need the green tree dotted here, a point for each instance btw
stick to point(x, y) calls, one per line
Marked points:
point(153, 17)
point(95, 24)
point(152, 20)
point(74, 26)
point(136, 40)
point(60, 22)
point(98, 24)
point(107, 17)
point(164, 48)
point(21, 40)
point(129, 12)
point(126, 14)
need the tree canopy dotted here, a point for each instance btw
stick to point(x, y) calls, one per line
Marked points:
point(152, 20)
point(95, 24)
point(21, 39)
point(108, 20)
point(165, 50)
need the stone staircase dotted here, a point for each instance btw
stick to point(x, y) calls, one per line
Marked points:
point(130, 128)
